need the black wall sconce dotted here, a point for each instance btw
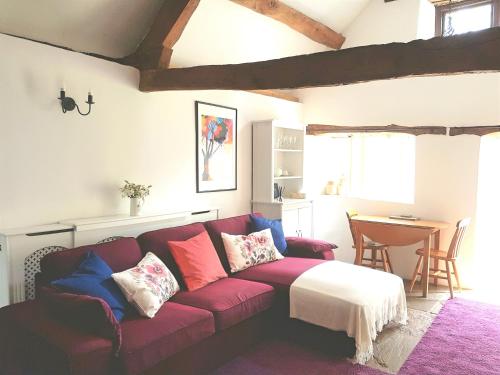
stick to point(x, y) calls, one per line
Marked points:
point(69, 104)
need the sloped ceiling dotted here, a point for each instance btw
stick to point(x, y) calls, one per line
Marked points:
point(111, 28)
point(114, 28)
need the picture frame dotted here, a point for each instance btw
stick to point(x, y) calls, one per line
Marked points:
point(216, 147)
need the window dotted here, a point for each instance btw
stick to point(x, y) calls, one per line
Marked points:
point(368, 166)
point(458, 17)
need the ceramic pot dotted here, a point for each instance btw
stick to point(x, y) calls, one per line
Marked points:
point(135, 206)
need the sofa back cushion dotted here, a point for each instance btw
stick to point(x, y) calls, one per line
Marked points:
point(197, 260)
point(120, 255)
point(232, 225)
point(156, 241)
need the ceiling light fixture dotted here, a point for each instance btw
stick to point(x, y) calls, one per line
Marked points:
point(69, 104)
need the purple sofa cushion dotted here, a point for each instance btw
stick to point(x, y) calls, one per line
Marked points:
point(310, 248)
point(83, 312)
point(232, 225)
point(156, 241)
point(279, 274)
point(49, 346)
point(146, 342)
point(230, 300)
point(120, 255)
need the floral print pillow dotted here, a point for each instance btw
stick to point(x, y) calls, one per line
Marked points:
point(247, 251)
point(148, 285)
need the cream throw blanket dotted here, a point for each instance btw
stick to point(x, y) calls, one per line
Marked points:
point(344, 297)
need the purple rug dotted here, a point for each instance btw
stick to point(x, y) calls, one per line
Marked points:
point(464, 339)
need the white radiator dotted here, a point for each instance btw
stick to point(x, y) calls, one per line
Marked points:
point(18, 243)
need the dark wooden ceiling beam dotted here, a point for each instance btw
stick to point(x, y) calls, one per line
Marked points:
point(277, 94)
point(467, 53)
point(315, 129)
point(474, 130)
point(156, 48)
point(296, 20)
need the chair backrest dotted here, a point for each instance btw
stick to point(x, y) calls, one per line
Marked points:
point(456, 241)
point(350, 214)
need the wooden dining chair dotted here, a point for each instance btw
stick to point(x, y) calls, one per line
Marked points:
point(373, 260)
point(448, 257)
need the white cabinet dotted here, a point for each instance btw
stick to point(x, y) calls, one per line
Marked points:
point(297, 221)
point(289, 219)
point(278, 159)
point(296, 215)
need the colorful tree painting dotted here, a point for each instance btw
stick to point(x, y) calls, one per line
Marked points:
point(215, 133)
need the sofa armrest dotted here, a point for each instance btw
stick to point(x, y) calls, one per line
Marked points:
point(33, 342)
point(300, 247)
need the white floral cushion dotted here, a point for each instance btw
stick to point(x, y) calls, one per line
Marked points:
point(247, 251)
point(148, 285)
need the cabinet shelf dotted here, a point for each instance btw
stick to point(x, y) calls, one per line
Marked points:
point(287, 150)
point(287, 177)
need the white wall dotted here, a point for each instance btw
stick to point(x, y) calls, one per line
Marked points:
point(57, 166)
point(381, 22)
point(446, 167)
point(222, 32)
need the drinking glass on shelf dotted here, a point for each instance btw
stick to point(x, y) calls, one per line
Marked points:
point(278, 141)
point(286, 141)
point(294, 142)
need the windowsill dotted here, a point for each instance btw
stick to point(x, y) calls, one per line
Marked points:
point(346, 196)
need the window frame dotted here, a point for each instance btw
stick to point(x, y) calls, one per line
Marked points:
point(441, 11)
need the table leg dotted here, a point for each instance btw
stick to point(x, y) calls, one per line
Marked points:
point(425, 267)
point(436, 260)
point(359, 249)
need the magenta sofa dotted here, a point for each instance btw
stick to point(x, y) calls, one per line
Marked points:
point(192, 333)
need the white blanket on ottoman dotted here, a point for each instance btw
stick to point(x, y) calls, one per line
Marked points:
point(354, 299)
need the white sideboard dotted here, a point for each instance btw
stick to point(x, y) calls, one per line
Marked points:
point(18, 243)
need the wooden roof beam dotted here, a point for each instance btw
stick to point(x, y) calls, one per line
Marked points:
point(474, 130)
point(156, 48)
point(314, 129)
point(296, 20)
point(467, 53)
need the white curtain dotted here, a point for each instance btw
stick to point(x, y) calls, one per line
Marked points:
point(383, 167)
point(371, 166)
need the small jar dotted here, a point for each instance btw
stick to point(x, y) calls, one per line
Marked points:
point(330, 188)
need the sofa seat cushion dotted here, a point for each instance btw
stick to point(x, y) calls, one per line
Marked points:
point(49, 346)
point(230, 300)
point(146, 342)
point(280, 274)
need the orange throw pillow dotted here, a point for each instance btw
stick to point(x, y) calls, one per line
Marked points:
point(197, 260)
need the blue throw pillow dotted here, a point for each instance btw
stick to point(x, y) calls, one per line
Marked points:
point(93, 278)
point(261, 223)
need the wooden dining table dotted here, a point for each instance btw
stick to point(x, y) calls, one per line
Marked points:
point(399, 232)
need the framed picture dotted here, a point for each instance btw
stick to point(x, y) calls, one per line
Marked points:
point(216, 147)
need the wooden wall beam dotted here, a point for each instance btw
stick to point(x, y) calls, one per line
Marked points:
point(314, 129)
point(474, 130)
point(156, 48)
point(296, 20)
point(467, 53)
